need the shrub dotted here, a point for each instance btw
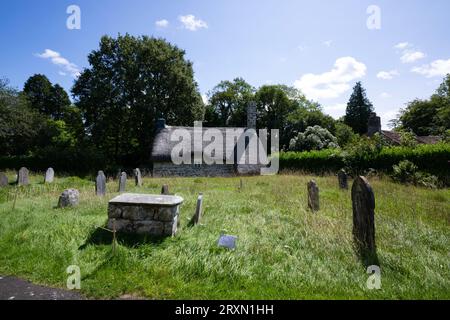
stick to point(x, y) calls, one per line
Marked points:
point(314, 138)
point(407, 172)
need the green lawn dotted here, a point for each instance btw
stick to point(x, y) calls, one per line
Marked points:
point(284, 251)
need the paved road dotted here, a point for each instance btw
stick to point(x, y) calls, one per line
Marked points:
point(12, 288)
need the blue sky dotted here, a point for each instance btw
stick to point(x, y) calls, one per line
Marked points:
point(323, 47)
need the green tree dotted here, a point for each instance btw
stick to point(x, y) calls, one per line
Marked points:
point(46, 98)
point(427, 117)
point(131, 82)
point(228, 103)
point(19, 125)
point(358, 110)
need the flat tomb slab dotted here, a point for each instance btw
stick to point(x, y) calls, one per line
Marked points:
point(155, 215)
point(150, 199)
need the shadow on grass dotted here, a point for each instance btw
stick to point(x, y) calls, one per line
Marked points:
point(100, 236)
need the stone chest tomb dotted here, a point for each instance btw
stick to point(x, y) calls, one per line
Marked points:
point(144, 214)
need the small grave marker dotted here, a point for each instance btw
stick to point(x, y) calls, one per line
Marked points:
point(342, 179)
point(165, 189)
point(138, 177)
point(22, 177)
point(69, 198)
point(227, 241)
point(122, 182)
point(313, 196)
point(100, 184)
point(49, 175)
point(198, 210)
point(3, 180)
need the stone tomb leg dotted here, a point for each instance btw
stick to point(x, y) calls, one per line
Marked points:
point(145, 214)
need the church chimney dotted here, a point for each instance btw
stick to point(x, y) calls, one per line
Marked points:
point(373, 125)
point(251, 115)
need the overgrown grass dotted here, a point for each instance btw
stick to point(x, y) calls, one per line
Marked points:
point(284, 251)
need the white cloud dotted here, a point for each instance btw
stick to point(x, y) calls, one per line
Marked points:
point(333, 83)
point(402, 45)
point(162, 23)
point(57, 59)
point(385, 95)
point(328, 43)
point(336, 110)
point(205, 99)
point(410, 56)
point(191, 23)
point(387, 75)
point(437, 68)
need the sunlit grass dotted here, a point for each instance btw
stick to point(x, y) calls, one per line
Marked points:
point(284, 251)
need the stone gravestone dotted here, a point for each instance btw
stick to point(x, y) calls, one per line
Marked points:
point(198, 210)
point(3, 180)
point(138, 177)
point(313, 196)
point(227, 241)
point(69, 198)
point(22, 177)
point(100, 184)
point(122, 182)
point(49, 175)
point(165, 189)
point(342, 179)
point(363, 203)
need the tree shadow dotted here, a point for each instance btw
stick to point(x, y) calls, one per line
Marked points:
point(368, 257)
point(100, 236)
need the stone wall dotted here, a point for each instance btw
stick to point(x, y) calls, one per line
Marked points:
point(143, 219)
point(168, 169)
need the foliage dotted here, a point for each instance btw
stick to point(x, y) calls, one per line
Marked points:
point(408, 172)
point(314, 138)
point(358, 110)
point(428, 117)
point(46, 98)
point(344, 134)
point(131, 82)
point(227, 103)
point(366, 154)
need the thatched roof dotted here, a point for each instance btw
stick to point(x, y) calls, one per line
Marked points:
point(395, 138)
point(166, 139)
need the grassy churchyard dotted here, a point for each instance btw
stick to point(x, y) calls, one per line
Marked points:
point(284, 251)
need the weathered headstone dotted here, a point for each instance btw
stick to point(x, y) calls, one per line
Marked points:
point(3, 180)
point(100, 184)
point(198, 210)
point(313, 196)
point(69, 198)
point(342, 179)
point(122, 182)
point(363, 203)
point(165, 189)
point(22, 177)
point(138, 177)
point(227, 241)
point(49, 175)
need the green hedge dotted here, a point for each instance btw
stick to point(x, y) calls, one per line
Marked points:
point(433, 159)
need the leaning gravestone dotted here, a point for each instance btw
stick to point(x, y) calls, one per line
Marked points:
point(100, 184)
point(363, 203)
point(138, 177)
point(3, 180)
point(69, 198)
point(342, 178)
point(313, 196)
point(165, 189)
point(122, 182)
point(22, 177)
point(49, 175)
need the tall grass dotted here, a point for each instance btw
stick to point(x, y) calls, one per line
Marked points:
point(284, 251)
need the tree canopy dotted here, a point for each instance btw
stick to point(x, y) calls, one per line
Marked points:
point(131, 82)
point(358, 110)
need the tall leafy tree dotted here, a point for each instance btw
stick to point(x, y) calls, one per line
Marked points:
point(430, 116)
point(358, 110)
point(228, 103)
point(46, 98)
point(131, 82)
